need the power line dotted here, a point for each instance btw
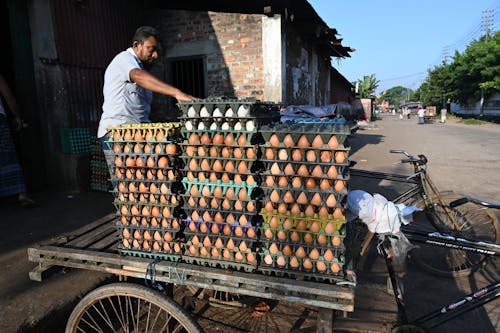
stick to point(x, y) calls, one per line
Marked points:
point(402, 77)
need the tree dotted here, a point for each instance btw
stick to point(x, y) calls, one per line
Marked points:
point(367, 86)
point(395, 96)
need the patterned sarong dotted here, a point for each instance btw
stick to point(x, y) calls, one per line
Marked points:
point(11, 173)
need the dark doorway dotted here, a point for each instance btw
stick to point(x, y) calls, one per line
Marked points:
point(189, 75)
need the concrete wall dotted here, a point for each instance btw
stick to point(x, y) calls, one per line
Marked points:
point(491, 107)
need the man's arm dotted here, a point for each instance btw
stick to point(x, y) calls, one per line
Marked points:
point(148, 81)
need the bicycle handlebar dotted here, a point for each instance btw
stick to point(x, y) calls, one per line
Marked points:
point(421, 160)
point(465, 200)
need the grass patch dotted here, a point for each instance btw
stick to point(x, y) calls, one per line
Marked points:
point(472, 121)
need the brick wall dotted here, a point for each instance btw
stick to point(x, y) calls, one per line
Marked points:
point(234, 64)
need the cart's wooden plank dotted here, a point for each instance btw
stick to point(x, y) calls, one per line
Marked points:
point(108, 243)
point(41, 272)
point(90, 238)
point(178, 272)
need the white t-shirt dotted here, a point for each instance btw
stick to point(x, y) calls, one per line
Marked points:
point(421, 112)
point(125, 102)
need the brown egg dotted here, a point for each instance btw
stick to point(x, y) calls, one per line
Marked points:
point(126, 233)
point(295, 209)
point(308, 237)
point(128, 135)
point(294, 236)
point(268, 206)
point(203, 252)
point(251, 233)
point(336, 240)
point(205, 139)
point(339, 185)
point(323, 211)
point(288, 141)
point(229, 167)
point(168, 236)
point(203, 227)
point(324, 184)
point(193, 165)
point(218, 218)
point(288, 197)
point(326, 156)
point(303, 171)
point(302, 198)
point(201, 151)
point(282, 181)
point(226, 254)
point(225, 152)
point(201, 176)
point(296, 155)
point(321, 266)
point(331, 201)
point(206, 241)
point(274, 140)
point(205, 164)
point(281, 261)
point(214, 229)
point(229, 140)
point(251, 257)
point(242, 167)
point(287, 250)
point(317, 171)
point(316, 199)
point(116, 135)
point(218, 139)
point(230, 218)
point(317, 142)
point(243, 246)
point(322, 240)
point(273, 248)
point(297, 182)
point(192, 226)
point(281, 235)
point(242, 140)
point(230, 244)
point(328, 255)
point(214, 252)
point(282, 208)
point(250, 180)
point(307, 264)
point(269, 181)
point(268, 233)
point(301, 225)
point(250, 153)
point(243, 221)
point(310, 183)
point(309, 211)
point(214, 151)
point(282, 154)
point(275, 169)
point(229, 193)
point(340, 156)
point(195, 216)
point(314, 254)
point(289, 170)
point(269, 153)
point(334, 267)
point(237, 153)
point(274, 196)
point(206, 191)
point(190, 150)
point(333, 143)
point(217, 166)
point(268, 259)
point(332, 172)
point(303, 141)
point(294, 262)
point(311, 156)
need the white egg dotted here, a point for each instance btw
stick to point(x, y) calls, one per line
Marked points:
point(225, 126)
point(229, 112)
point(191, 112)
point(250, 126)
point(189, 125)
point(201, 126)
point(213, 126)
point(244, 111)
point(238, 126)
point(204, 112)
point(217, 113)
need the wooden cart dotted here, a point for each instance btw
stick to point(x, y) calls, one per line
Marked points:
point(94, 247)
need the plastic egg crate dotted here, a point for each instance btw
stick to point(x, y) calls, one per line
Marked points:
point(313, 269)
point(231, 205)
point(128, 187)
point(218, 123)
point(146, 147)
point(222, 176)
point(153, 199)
point(217, 215)
point(208, 188)
point(338, 156)
point(235, 260)
point(240, 165)
point(303, 210)
point(150, 132)
point(221, 137)
point(305, 169)
point(244, 245)
point(165, 223)
point(320, 238)
point(145, 209)
point(247, 152)
point(301, 182)
point(314, 197)
point(334, 121)
point(222, 107)
point(220, 228)
point(324, 135)
point(327, 225)
point(152, 161)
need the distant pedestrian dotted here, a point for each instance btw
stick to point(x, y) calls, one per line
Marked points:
point(421, 114)
point(443, 115)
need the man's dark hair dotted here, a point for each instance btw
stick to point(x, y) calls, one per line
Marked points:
point(143, 33)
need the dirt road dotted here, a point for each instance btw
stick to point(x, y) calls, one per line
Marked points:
point(463, 158)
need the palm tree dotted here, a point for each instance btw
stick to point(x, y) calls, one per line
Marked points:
point(367, 86)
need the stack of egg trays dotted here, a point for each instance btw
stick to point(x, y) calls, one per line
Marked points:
point(146, 179)
point(219, 156)
point(306, 173)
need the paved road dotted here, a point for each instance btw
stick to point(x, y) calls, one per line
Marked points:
point(463, 158)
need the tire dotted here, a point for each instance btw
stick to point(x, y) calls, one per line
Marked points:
point(474, 221)
point(127, 307)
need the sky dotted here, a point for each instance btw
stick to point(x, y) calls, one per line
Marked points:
point(398, 40)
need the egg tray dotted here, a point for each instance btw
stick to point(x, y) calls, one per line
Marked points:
point(311, 130)
point(149, 161)
point(153, 199)
point(147, 173)
point(302, 212)
point(286, 235)
point(174, 209)
point(141, 187)
point(222, 123)
point(267, 177)
point(145, 147)
point(218, 149)
point(220, 203)
point(315, 197)
point(223, 186)
point(171, 130)
point(142, 229)
point(215, 176)
point(150, 223)
point(340, 121)
point(295, 166)
point(151, 248)
point(251, 137)
point(236, 265)
point(151, 255)
point(239, 107)
point(295, 273)
point(237, 215)
point(233, 230)
point(267, 148)
point(336, 251)
point(337, 224)
point(251, 243)
point(222, 162)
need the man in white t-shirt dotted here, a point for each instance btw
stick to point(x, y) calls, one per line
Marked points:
point(128, 86)
point(421, 115)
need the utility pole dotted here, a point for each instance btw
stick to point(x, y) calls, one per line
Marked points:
point(487, 21)
point(446, 50)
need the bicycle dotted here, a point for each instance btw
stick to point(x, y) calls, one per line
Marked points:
point(447, 312)
point(471, 220)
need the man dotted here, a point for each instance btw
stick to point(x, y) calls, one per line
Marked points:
point(128, 86)
point(443, 115)
point(421, 114)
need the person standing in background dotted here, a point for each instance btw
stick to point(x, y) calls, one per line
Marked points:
point(443, 115)
point(421, 115)
point(11, 173)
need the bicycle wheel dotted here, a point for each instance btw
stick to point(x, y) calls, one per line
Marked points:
point(474, 221)
point(127, 307)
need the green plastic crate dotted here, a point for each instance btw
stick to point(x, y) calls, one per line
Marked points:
point(75, 140)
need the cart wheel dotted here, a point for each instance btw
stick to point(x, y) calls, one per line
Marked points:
point(127, 307)
point(474, 221)
point(408, 329)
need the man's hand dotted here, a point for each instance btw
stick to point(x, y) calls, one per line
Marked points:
point(183, 97)
point(17, 123)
